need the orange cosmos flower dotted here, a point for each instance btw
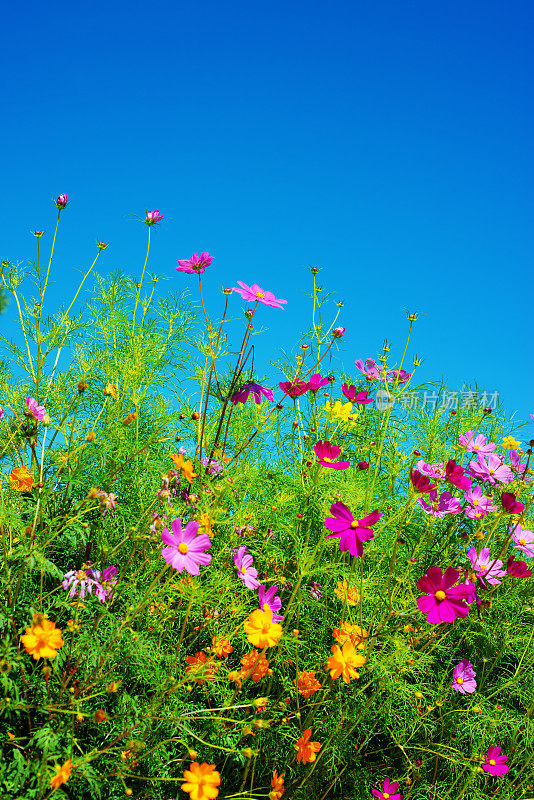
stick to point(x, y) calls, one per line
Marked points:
point(62, 774)
point(185, 467)
point(260, 629)
point(20, 479)
point(343, 662)
point(260, 669)
point(205, 523)
point(307, 684)
point(221, 647)
point(306, 749)
point(111, 390)
point(199, 664)
point(42, 639)
point(347, 593)
point(236, 676)
point(346, 631)
point(277, 785)
point(201, 781)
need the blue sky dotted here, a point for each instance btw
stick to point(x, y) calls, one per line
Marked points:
point(388, 143)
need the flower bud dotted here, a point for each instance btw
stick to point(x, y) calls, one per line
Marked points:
point(82, 386)
point(337, 333)
point(61, 202)
point(195, 415)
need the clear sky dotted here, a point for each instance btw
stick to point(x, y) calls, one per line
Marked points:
point(388, 143)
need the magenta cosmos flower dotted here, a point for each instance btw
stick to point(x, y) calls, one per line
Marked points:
point(152, 217)
point(442, 602)
point(495, 763)
point(476, 444)
point(421, 483)
point(486, 569)
point(270, 599)
point(327, 453)
point(256, 294)
point(245, 571)
point(197, 263)
point(294, 388)
point(351, 532)
point(186, 549)
point(463, 677)
point(242, 395)
point(35, 410)
point(388, 791)
point(454, 473)
point(316, 382)
point(352, 394)
point(510, 504)
point(517, 569)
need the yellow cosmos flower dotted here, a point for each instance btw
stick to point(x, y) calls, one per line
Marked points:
point(347, 593)
point(21, 480)
point(260, 629)
point(341, 411)
point(348, 632)
point(201, 781)
point(509, 443)
point(206, 523)
point(42, 639)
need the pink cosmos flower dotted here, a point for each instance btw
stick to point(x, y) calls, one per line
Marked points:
point(241, 396)
point(152, 217)
point(388, 791)
point(495, 763)
point(270, 599)
point(35, 410)
point(326, 453)
point(370, 370)
point(108, 502)
point(454, 473)
point(186, 550)
point(442, 602)
point(421, 483)
point(245, 571)
point(447, 504)
point(510, 504)
point(61, 202)
point(197, 263)
point(436, 471)
point(316, 382)
point(532, 416)
point(487, 570)
point(80, 581)
point(1, 412)
point(479, 504)
point(352, 532)
point(517, 569)
point(256, 294)
point(523, 540)
point(493, 469)
point(519, 467)
point(463, 677)
point(399, 375)
point(294, 388)
point(475, 444)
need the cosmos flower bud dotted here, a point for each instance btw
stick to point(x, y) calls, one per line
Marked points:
point(61, 202)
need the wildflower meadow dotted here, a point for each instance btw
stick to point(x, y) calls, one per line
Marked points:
point(215, 587)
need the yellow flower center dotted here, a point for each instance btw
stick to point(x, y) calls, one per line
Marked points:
point(483, 567)
point(183, 548)
point(354, 524)
point(440, 595)
point(242, 570)
point(459, 680)
point(328, 460)
point(476, 502)
point(80, 576)
point(492, 762)
point(491, 471)
point(522, 541)
point(385, 795)
point(260, 294)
